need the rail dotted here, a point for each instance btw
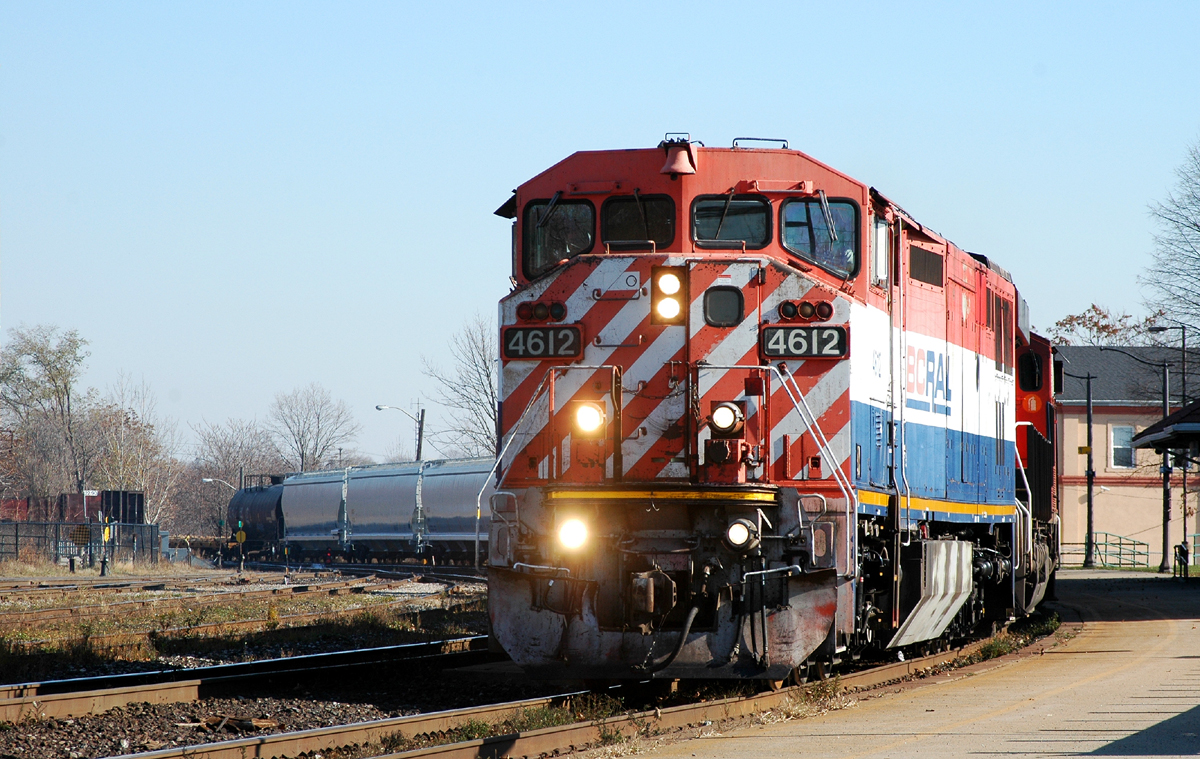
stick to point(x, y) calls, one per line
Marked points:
point(544, 742)
point(1110, 551)
point(72, 698)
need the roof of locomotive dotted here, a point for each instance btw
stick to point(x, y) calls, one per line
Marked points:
point(712, 164)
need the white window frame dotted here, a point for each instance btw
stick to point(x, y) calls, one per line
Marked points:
point(881, 252)
point(1112, 446)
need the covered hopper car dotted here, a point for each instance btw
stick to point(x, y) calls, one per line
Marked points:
point(385, 512)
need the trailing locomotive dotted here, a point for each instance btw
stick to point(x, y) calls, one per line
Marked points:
point(386, 512)
point(754, 417)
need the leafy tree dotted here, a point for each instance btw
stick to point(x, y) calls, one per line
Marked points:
point(1097, 325)
point(47, 412)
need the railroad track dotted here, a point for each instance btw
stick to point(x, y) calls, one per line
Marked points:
point(71, 698)
point(35, 583)
point(53, 590)
point(547, 741)
point(446, 574)
point(359, 585)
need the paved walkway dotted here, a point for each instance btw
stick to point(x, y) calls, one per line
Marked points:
point(1129, 685)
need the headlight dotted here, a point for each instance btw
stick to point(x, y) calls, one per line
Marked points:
point(727, 419)
point(741, 535)
point(668, 308)
point(589, 417)
point(668, 295)
point(572, 533)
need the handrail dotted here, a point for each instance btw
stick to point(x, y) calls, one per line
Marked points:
point(537, 393)
point(802, 406)
point(1115, 550)
point(521, 566)
point(1028, 510)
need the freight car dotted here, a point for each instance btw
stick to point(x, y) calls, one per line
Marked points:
point(386, 512)
point(756, 417)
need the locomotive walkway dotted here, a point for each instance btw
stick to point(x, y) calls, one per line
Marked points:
point(1127, 685)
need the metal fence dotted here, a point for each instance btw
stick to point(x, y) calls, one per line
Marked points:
point(51, 541)
point(1111, 551)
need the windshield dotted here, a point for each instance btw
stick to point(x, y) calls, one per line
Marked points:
point(635, 219)
point(555, 230)
point(806, 233)
point(718, 219)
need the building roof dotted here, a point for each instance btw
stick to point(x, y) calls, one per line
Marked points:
point(1119, 380)
point(1178, 430)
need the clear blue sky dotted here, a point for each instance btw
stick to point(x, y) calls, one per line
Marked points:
point(232, 199)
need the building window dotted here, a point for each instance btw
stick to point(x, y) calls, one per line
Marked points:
point(1122, 447)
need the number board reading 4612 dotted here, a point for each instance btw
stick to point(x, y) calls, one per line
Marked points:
point(560, 341)
point(805, 342)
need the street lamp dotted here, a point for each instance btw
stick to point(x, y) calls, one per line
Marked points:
point(223, 482)
point(1183, 401)
point(1165, 564)
point(419, 420)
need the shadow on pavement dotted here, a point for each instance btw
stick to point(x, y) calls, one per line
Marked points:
point(1123, 596)
point(1178, 736)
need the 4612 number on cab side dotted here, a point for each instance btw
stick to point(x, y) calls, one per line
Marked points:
point(557, 341)
point(804, 342)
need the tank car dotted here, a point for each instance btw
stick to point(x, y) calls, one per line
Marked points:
point(754, 416)
point(385, 512)
point(258, 512)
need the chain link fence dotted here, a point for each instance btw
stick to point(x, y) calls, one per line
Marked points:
point(52, 541)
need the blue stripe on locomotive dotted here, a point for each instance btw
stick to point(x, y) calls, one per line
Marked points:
point(943, 464)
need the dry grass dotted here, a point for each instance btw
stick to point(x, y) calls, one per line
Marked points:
point(37, 567)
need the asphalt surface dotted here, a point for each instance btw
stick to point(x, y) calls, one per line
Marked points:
point(1127, 685)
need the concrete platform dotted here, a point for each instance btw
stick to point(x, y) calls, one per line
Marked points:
point(1128, 685)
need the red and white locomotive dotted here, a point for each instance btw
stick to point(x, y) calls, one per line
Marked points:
point(754, 416)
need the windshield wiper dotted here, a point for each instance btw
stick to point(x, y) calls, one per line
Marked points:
point(642, 212)
point(725, 210)
point(828, 215)
point(549, 209)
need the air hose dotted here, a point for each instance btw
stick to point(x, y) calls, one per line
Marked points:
point(683, 636)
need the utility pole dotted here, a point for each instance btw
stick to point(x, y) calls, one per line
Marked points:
point(420, 432)
point(1165, 564)
point(1089, 553)
point(420, 420)
point(1183, 401)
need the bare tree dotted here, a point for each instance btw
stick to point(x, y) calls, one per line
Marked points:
point(398, 452)
point(39, 373)
point(139, 448)
point(1097, 325)
point(469, 389)
point(307, 426)
point(224, 451)
point(1173, 277)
